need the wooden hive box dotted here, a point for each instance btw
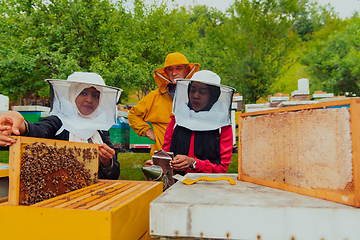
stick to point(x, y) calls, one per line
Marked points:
point(4, 170)
point(310, 149)
point(44, 168)
point(107, 210)
point(4, 180)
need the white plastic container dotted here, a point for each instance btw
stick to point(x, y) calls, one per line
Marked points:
point(303, 85)
point(4, 103)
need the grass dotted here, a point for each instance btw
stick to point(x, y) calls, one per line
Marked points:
point(131, 163)
point(4, 156)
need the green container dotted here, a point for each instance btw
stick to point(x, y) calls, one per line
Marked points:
point(140, 142)
point(119, 133)
point(32, 113)
point(32, 117)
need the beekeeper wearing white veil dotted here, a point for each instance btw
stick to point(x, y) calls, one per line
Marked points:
point(200, 135)
point(83, 120)
point(83, 110)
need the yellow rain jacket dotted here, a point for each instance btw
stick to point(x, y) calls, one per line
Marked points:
point(156, 107)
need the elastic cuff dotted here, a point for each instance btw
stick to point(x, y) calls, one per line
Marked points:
point(107, 170)
point(26, 127)
point(143, 133)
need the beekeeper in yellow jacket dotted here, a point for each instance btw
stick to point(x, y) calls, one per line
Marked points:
point(156, 107)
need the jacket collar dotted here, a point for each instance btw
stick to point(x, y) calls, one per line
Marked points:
point(162, 80)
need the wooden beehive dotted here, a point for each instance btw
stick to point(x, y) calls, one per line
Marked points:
point(44, 168)
point(4, 170)
point(108, 210)
point(309, 149)
point(4, 180)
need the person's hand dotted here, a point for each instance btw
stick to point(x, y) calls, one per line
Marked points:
point(181, 162)
point(149, 163)
point(5, 139)
point(106, 154)
point(150, 134)
point(11, 122)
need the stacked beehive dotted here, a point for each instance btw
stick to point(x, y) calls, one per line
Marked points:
point(57, 181)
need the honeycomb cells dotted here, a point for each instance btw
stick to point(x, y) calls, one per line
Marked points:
point(309, 149)
point(47, 171)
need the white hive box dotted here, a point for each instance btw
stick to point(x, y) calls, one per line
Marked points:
point(219, 210)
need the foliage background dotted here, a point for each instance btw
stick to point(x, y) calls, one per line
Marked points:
point(259, 47)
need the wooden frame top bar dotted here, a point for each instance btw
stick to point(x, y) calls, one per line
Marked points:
point(346, 101)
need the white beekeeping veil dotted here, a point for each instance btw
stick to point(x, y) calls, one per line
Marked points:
point(64, 107)
point(215, 115)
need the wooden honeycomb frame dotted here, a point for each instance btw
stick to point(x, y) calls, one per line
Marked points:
point(350, 198)
point(40, 169)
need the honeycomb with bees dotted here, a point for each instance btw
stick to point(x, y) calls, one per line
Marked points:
point(41, 169)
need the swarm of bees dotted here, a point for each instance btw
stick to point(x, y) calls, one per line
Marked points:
point(48, 171)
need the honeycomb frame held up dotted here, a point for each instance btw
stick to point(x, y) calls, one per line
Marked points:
point(41, 169)
point(308, 149)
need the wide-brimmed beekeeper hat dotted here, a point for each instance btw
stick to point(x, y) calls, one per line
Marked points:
point(208, 77)
point(217, 116)
point(63, 105)
point(160, 76)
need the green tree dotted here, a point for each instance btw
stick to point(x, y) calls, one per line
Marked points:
point(308, 22)
point(332, 57)
point(312, 17)
point(152, 32)
point(259, 38)
point(209, 49)
point(52, 40)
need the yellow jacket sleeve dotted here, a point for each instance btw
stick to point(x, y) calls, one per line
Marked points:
point(155, 108)
point(137, 116)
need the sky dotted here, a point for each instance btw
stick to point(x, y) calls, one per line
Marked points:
point(345, 8)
